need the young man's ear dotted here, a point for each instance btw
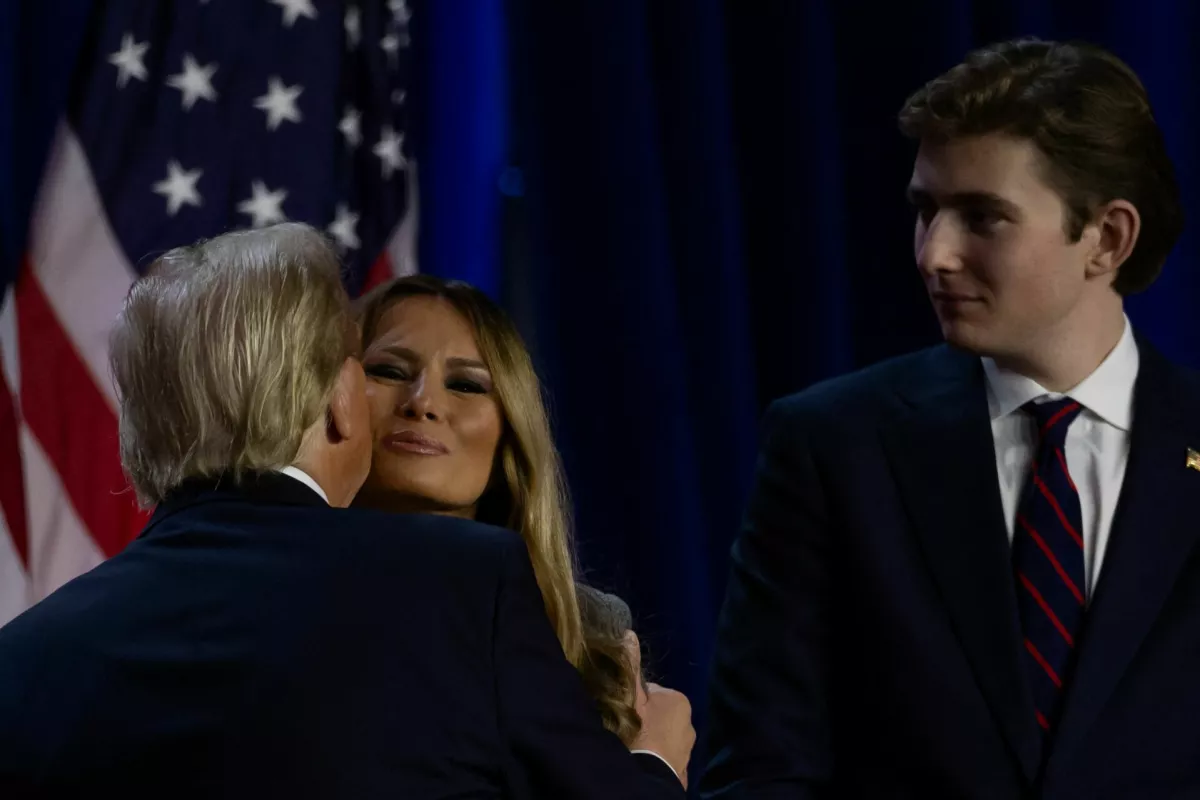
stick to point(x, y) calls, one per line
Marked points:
point(1118, 224)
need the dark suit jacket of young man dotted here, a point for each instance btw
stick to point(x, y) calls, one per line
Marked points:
point(869, 644)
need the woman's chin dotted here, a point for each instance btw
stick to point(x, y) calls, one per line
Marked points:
point(406, 497)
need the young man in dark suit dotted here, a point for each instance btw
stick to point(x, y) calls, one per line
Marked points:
point(261, 640)
point(971, 572)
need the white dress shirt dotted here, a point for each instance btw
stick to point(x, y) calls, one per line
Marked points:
point(1097, 447)
point(306, 479)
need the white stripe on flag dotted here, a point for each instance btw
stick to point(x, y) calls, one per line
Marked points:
point(59, 546)
point(77, 258)
point(8, 343)
point(15, 591)
point(402, 246)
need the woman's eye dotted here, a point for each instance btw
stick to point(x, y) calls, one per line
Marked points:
point(386, 372)
point(465, 385)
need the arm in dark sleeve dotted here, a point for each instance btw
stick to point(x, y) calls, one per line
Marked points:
point(770, 730)
point(552, 727)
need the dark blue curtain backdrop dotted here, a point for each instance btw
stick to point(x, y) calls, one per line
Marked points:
point(637, 295)
point(461, 131)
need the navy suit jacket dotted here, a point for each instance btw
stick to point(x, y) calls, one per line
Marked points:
point(255, 643)
point(869, 644)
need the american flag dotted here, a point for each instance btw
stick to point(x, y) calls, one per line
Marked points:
point(185, 119)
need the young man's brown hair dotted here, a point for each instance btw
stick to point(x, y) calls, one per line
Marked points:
point(1090, 118)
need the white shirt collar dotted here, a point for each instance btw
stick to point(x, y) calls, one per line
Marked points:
point(1107, 392)
point(306, 479)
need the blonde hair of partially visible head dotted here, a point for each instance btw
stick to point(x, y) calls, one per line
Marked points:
point(528, 490)
point(226, 353)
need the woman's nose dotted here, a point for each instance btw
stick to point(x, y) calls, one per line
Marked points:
point(423, 401)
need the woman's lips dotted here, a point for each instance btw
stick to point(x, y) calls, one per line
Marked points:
point(412, 442)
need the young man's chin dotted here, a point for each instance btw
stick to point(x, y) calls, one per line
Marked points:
point(964, 336)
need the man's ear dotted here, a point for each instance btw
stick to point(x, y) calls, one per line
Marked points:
point(1118, 224)
point(342, 421)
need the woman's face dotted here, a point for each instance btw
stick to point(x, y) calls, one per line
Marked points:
point(435, 418)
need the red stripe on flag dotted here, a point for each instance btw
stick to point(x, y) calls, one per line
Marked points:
point(380, 271)
point(12, 488)
point(1042, 721)
point(72, 421)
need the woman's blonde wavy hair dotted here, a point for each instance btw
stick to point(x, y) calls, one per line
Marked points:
point(527, 491)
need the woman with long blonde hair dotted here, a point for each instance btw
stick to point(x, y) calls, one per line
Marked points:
point(461, 428)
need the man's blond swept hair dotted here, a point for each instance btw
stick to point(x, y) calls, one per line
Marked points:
point(226, 353)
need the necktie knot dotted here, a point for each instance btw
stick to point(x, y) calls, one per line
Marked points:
point(1053, 418)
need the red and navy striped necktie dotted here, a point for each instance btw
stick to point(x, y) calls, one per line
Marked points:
point(1048, 562)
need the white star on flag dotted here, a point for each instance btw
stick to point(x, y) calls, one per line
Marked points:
point(388, 150)
point(264, 205)
point(400, 12)
point(128, 60)
point(195, 82)
point(391, 46)
point(179, 187)
point(353, 23)
point(280, 103)
point(351, 126)
point(294, 9)
point(342, 228)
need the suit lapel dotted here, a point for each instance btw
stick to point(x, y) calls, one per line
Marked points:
point(943, 455)
point(1154, 529)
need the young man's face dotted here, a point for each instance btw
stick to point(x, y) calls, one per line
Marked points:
point(991, 245)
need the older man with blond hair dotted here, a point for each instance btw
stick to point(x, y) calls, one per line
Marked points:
point(260, 639)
